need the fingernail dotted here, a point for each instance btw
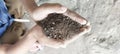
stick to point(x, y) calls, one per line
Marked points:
point(83, 22)
point(64, 9)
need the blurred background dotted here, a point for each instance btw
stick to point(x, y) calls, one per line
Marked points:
point(104, 38)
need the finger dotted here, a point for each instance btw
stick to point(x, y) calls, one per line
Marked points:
point(45, 9)
point(76, 17)
point(53, 8)
point(36, 47)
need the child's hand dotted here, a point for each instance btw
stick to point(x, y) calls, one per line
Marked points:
point(42, 12)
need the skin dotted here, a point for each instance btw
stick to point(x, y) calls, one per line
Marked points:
point(40, 12)
point(35, 34)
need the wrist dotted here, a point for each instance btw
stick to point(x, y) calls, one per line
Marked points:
point(31, 35)
point(37, 33)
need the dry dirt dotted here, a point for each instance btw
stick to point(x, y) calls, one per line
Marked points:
point(60, 27)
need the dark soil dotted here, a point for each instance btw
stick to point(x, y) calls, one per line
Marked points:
point(60, 27)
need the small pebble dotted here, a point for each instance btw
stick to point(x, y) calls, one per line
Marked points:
point(53, 23)
point(52, 28)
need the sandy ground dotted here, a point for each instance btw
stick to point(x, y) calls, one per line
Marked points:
point(104, 37)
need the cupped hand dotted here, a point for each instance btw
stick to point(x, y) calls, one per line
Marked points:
point(43, 10)
point(42, 39)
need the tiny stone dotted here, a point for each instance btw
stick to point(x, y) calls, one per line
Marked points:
point(67, 18)
point(53, 23)
point(45, 29)
point(55, 35)
point(50, 34)
point(59, 36)
point(49, 37)
point(52, 28)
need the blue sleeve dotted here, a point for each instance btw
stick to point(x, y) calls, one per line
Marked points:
point(5, 18)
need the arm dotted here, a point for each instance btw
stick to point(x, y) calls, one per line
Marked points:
point(3, 48)
point(21, 47)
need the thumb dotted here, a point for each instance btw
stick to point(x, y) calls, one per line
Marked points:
point(57, 9)
point(53, 8)
point(42, 11)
